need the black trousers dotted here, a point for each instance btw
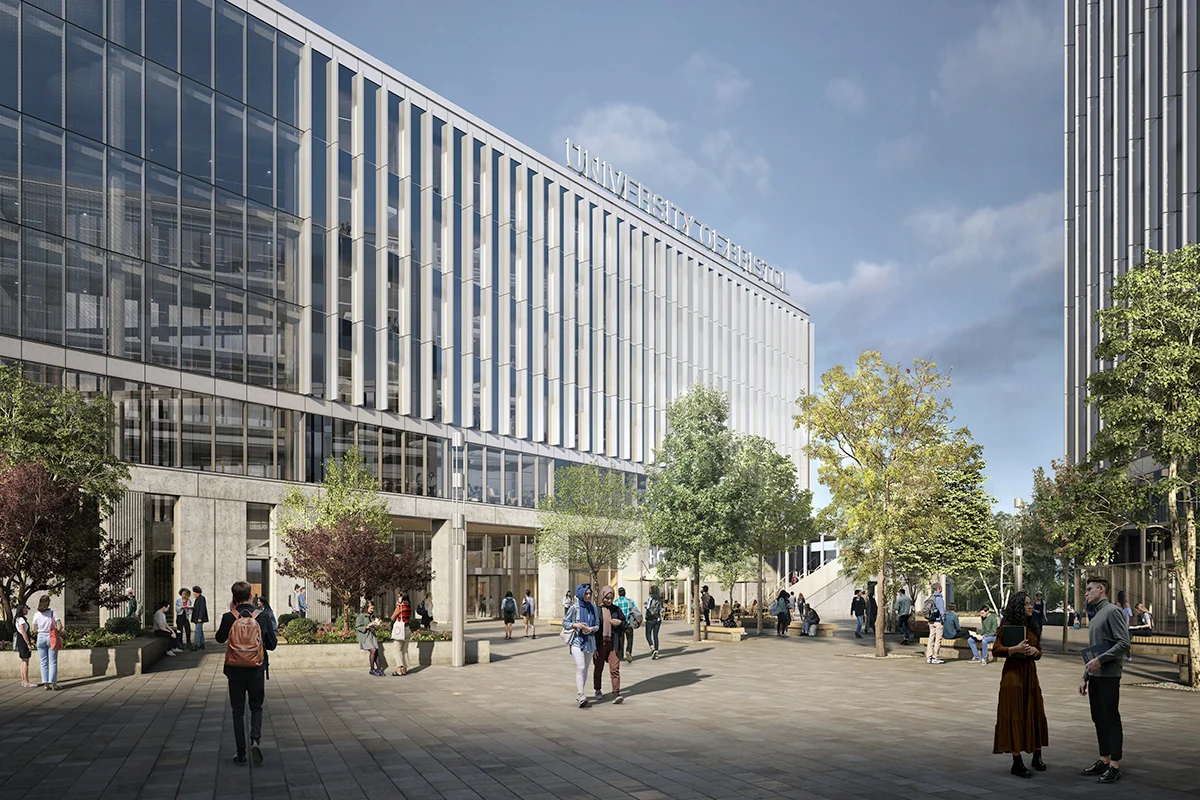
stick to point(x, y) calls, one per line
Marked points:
point(1104, 695)
point(251, 683)
point(623, 639)
point(185, 629)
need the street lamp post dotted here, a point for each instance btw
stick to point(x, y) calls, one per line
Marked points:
point(458, 652)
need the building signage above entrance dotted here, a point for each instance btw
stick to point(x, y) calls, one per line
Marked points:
point(637, 194)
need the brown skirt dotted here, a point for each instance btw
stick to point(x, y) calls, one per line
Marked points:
point(1020, 713)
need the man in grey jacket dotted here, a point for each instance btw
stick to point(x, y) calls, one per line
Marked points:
point(1102, 679)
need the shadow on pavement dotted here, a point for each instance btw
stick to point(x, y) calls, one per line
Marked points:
point(661, 683)
point(79, 683)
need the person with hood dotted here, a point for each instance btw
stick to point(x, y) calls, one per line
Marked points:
point(579, 628)
point(611, 620)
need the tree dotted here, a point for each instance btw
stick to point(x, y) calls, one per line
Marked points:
point(995, 581)
point(883, 439)
point(776, 514)
point(590, 521)
point(732, 572)
point(60, 479)
point(1080, 511)
point(340, 539)
point(690, 508)
point(1147, 398)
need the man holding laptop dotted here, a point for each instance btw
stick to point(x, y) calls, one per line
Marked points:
point(1108, 639)
point(988, 625)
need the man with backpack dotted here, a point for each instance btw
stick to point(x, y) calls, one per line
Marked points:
point(706, 604)
point(934, 611)
point(633, 619)
point(654, 615)
point(247, 634)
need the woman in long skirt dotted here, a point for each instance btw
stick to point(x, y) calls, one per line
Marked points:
point(1021, 714)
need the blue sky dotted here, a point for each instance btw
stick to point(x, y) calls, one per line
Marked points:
point(901, 161)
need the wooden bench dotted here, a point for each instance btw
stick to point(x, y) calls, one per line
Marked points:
point(953, 649)
point(719, 633)
point(825, 630)
point(1174, 646)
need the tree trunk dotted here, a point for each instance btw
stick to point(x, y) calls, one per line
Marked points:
point(758, 616)
point(880, 644)
point(696, 596)
point(1066, 580)
point(1183, 552)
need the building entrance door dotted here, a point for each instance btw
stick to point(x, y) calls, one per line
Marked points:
point(257, 576)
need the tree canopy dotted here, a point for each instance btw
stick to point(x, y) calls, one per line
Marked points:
point(590, 522)
point(1146, 394)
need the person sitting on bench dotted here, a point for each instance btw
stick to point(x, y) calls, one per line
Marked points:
point(1145, 622)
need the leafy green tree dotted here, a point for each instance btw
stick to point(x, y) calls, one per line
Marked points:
point(60, 479)
point(589, 523)
point(1148, 400)
point(729, 573)
point(691, 508)
point(340, 539)
point(1079, 512)
point(776, 514)
point(883, 440)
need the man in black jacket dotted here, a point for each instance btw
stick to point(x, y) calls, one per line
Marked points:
point(858, 607)
point(245, 681)
point(199, 617)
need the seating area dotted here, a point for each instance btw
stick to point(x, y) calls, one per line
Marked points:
point(719, 633)
point(954, 648)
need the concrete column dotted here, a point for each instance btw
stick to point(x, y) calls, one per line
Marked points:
point(441, 588)
point(552, 585)
point(230, 562)
point(197, 552)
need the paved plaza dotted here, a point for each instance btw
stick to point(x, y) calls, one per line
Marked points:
point(798, 718)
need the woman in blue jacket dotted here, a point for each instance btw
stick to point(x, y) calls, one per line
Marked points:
point(579, 628)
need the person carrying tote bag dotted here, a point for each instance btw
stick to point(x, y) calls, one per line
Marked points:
point(401, 620)
point(49, 641)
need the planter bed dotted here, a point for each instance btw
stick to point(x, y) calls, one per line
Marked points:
point(127, 658)
point(351, 656)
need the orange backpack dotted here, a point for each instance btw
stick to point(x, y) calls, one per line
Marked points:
point(244, 648)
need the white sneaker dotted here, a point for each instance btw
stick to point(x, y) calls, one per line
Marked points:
point(975, 660)
point(936, 661)
point(172, 653)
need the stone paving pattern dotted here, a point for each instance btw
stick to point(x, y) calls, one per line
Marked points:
point(766, 718)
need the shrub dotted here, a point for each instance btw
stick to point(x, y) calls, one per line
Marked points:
point(7, 629)
point(430, 636)
point(286, 618)
point(82, 638)
point(300, 631)
point(131, 625)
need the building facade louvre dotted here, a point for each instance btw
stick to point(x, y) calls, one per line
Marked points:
point(267, 247)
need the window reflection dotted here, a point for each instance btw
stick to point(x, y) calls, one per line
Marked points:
point(260, 441)
point(288, 54)
point(230, 49)
point(84, 312)
point(41, 65)
point(228, 437)
point(125, 23)
point(125, 276)
point(230, 141)
point(85, 84)
point(162, 209)
point(162, 32)
point(414, 463)
point(125, 203)
point(260, 66)
point(196, 431)
point(42, 287)
point(42, 177)
point(196, 33)
point(162, 109)
point(124, 101)
point(85, 191)
point(494, 487)
point(197, 131)
point(196, 332)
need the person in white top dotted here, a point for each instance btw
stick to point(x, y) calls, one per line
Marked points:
point(528, 609)
point(164, 631)
point(43, 622)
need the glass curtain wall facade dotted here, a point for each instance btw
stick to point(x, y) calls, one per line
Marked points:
point(267, 247)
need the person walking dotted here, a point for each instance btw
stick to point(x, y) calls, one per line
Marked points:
point(1108, 637)
point(579, 630)
point(779, 609)
point(654, 615)
point(247, 638)
point(131, 608)
point(903, 609)
point(301, 601)
point(508, 610)
point(49, 630)
point(872, 614)
point(529, 611)
point(183, 607)
point(199, 616)
point(629, 611)
point(1127, 610)
point(858, 609)
point(706, 604)
point(1039, 611)
point(364, 626)
point(568, 601)
point(611, 622)
point(1020, 713)
point(23, 643)
point(935, 612)
point(401, 616)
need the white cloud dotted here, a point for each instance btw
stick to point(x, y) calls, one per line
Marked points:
point(734, 165)
point(713, 79)
point(865, 279)
point(847, 94)
point(900, 152)
point(1021, 41)
point(1025, 236)
point(635, 139)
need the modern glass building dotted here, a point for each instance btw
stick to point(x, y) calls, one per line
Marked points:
point(1131, 185)
point(267, 247)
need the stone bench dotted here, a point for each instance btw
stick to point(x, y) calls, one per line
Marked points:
point(956, 648)
point(825, 630)
point(134, 657)
point(719, 633)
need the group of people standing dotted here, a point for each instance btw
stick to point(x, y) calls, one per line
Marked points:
point(43, 633)
point(604, 634)
point(786, 606)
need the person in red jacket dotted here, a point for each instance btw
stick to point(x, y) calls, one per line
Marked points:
point(400, 619)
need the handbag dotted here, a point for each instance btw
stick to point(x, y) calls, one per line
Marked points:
point(56, 637)
point(566, 636)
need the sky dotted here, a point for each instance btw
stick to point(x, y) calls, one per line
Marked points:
point(902, 162)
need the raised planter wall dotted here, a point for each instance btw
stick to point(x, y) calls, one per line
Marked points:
point(351, 656)
point(128, 658)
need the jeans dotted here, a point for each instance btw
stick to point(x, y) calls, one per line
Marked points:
point(858, 631)
point(252, 683)
point(973, 642)
point(199, 636)
point(905, 631)
point(606, 653)
point(581, 666)
point(652, 626)
point(49, 659)
point(1104, 696)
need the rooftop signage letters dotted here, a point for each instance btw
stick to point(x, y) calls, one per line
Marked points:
point(639, 195)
